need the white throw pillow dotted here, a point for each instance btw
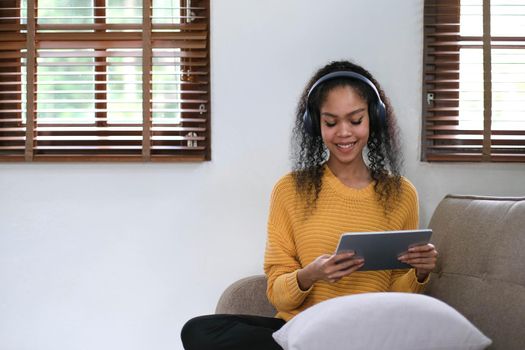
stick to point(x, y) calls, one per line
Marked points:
point(380, 321)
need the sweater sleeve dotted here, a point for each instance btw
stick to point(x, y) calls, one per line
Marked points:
point(280, 261)
point(406, 280)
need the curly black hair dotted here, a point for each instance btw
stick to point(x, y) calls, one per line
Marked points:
point(309, 152)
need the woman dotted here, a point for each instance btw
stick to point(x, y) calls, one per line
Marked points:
point(342, 115)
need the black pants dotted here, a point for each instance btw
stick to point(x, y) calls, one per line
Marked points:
point(231, 332)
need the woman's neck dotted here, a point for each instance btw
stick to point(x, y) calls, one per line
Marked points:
point(355, 174)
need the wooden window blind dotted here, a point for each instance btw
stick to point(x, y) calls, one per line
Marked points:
point(474, 81)
point(104, 80)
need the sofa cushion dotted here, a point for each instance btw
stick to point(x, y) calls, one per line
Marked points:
point(479, 271)
point(380, 321)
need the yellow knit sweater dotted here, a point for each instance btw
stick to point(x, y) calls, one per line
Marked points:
point(296, 237)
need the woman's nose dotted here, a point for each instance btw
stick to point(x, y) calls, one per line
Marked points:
point(345, 129)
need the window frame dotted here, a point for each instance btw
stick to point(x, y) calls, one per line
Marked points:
point(442, 139)
point(188, 140)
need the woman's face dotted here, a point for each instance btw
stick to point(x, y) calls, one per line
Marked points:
point(344, 125)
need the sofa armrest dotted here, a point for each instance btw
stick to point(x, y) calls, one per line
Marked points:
point(246, 296)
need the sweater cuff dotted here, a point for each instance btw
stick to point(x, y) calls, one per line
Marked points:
point(295, 292)
point(416, 285)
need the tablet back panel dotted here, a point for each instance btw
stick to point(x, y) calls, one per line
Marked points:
point(381, 249)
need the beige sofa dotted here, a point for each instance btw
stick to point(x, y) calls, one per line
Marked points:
point(480, 272)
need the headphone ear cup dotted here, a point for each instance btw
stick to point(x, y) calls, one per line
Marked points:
point(378, 112)
point(308, 123)
point(381, 112)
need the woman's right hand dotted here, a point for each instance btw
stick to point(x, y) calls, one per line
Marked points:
point(330, 268)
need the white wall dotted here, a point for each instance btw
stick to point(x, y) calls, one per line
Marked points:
point(118, 256)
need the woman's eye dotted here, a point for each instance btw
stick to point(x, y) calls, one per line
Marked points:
point(357, 122)
point(329, 124)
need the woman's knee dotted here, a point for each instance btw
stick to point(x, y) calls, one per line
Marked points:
point(197, 333)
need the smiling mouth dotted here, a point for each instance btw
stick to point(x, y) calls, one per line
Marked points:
point(346, 145)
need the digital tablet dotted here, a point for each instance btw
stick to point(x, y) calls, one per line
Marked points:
point(381, 249)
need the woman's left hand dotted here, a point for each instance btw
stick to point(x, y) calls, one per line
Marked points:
point(423, 258)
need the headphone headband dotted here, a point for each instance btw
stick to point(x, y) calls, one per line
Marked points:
point(378, 107)
point(344, 74)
